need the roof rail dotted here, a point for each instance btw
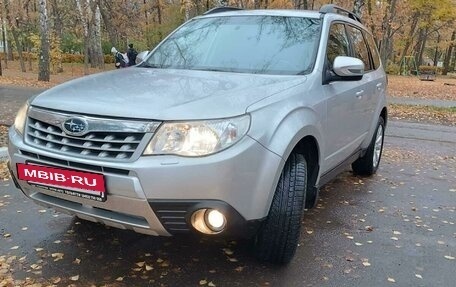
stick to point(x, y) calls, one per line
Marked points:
point(331, 8)
point(221, 9)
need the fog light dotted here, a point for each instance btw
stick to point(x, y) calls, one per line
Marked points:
point(208, 221)
point(215, 220)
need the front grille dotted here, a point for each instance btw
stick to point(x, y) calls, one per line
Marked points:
point(113, 139)
point(112, 145)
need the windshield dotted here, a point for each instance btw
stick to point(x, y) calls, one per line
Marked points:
point(242, 44)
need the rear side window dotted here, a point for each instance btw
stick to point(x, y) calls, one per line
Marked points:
point(360, 49)
point(338, 44)
point(373, 49)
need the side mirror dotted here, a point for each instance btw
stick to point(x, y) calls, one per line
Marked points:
point(141, 56)
point(348, 68)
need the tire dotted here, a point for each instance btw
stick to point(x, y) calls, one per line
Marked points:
point(277, 239)
point(368, 164)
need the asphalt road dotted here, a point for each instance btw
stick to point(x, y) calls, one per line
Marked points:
point(11, 99)
point(396, 228)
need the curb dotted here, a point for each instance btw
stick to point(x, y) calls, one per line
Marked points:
point(3, 153)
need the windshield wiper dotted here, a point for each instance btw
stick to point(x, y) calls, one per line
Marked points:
point(211, 69)
point(148, 65)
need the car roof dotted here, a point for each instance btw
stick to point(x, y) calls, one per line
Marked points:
point(268, 12)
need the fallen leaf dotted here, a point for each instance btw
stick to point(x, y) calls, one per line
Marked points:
point(391, 280)
point(394, 238)
point(367, 264)
point(57, 256)
point(159, 260)
point(39, 249)
point(148, 267)
point(140, 264)
point(418, 276)
point(396, 233)
point(119, 279)
point(449, 257)
point(74, 278)
point(203, 282)
point(210, 284)
point(77, 261)
point(231, 259)
point(14, 247)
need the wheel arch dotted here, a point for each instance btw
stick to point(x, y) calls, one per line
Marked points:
point(384, 114)
point(308, 146)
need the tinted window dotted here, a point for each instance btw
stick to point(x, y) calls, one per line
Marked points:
point(373, 49)
point(359, 47)
point(338, 44)
point(253, 44)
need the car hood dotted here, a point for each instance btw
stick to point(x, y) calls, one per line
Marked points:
point(164, 94)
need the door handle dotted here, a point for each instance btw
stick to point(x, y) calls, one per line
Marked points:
point(359, 94)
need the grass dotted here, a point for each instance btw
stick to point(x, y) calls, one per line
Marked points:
point(423, 114)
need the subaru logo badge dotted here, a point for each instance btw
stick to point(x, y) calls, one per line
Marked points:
point(75, 126)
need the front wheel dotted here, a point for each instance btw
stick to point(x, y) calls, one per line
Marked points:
point(368, 164)
point(277, 239)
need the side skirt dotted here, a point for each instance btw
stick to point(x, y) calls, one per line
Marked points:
point(328, 176)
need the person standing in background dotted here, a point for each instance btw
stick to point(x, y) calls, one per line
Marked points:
point(131, 54)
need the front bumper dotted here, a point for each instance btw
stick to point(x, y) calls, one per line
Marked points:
point(157, 194)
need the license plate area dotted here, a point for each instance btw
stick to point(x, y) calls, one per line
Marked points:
point(85, 185)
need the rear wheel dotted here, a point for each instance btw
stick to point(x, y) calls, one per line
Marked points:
point(278, 237)
point(368, 164)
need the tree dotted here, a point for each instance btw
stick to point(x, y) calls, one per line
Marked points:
point(446, 64)
point(14, 30)
point(44, 73)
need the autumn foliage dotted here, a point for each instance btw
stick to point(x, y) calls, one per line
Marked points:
point(88, 29)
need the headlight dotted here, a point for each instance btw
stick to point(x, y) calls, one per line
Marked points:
point(198, 138)
point(19, 122)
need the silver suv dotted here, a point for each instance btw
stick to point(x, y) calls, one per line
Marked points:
point(227, 128)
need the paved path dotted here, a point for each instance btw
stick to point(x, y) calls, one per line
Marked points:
point(11, 99)
point(422, 102)
point(407, 130)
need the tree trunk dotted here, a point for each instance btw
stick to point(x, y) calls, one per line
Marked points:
point(58, 27)
point(446, 64)
point(436, 53)
point(83, 17)
point(386, 42)
point(29, 58)
point(421, 45)
point(15, 35)
point(409, 40)
point(160, 17)
point(5, 47)
point(44, 73)
point(105, 15)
